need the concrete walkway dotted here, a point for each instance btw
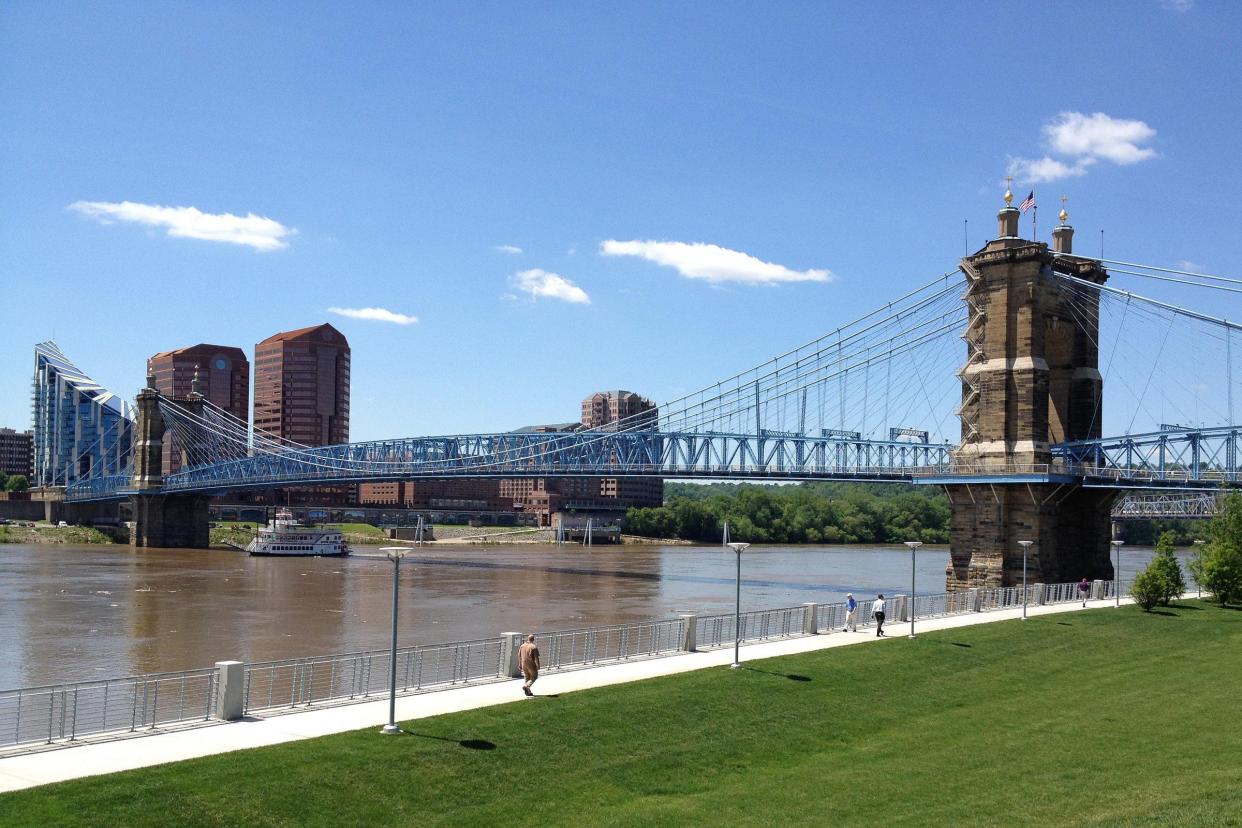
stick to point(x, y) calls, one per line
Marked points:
point(89, 759)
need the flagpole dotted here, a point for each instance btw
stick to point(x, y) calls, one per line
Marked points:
point(1034, 230)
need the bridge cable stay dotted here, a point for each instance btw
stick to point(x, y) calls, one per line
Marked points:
point(1196, 347)
point(1136, 336)
point(791, 373)
point(100, 469)
point(1172, 364)
point(185, 432)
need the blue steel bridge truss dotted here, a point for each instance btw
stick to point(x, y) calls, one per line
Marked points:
point(1181, 459)
point(583, 453)
point(557, 454)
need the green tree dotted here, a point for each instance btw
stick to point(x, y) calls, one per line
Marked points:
point(17, 483)
point(1167, 570)
point(4, 478)
point(1148, 588)
point(1219, 569)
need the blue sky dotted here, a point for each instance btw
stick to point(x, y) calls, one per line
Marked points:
point(398, 157)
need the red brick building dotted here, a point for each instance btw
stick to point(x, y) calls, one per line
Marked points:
point(448, 495)
point(224, 379)
point(301, 386)
point(605, 409)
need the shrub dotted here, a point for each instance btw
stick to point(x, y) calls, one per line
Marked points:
point(1148, 588)
point(1166, 567)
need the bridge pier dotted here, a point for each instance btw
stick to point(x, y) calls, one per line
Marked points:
point(171, 521)
point(1030, 381)
point(1071, 527)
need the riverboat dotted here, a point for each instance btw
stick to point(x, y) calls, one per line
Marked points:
point(284, 538)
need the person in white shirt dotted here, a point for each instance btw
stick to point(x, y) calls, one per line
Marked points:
point(877, 609)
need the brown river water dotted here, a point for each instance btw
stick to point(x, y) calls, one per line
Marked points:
point(79, 613)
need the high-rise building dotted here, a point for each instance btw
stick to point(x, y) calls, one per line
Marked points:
point(301, 386)
point(224, 379)
point(80, 428)
point(609, 410)
point(17, 453)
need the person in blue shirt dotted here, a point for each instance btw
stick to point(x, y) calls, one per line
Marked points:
point(851, 613)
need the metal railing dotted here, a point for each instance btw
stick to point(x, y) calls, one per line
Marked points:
point(756, 625)
point(54, 713)
point(70, 711)
point(591, 645)
point(304, 681)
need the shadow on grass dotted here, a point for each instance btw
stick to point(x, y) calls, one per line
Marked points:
point(960, 644)
point(469, 744)
point(790, 676)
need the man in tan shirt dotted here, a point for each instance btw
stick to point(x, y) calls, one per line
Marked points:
point(528, 661)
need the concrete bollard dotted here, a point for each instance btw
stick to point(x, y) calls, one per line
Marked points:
point(974, 600)
point(230, 690)
point(1097, 590)
point(810, 618)
point(509, 644)
point(1040, 595)
point(900, 608)
point(689, 632)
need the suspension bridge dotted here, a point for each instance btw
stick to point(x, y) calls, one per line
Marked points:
point(1014, 432)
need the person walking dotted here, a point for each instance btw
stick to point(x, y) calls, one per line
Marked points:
point(1084, 587)
point(528, 661)
point(851, 613)
point(877, 609)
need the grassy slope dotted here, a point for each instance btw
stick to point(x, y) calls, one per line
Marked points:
point(1106, 717)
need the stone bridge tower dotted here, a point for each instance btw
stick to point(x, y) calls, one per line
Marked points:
point(163, 520)
point(1031, 379)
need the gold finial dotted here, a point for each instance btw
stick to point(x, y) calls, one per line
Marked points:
point(1008, 191)
point(1064, 215)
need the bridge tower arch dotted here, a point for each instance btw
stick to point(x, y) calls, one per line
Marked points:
point(1031, 379)
point(163, 520)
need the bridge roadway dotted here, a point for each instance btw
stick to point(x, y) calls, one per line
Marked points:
point(1185, 459)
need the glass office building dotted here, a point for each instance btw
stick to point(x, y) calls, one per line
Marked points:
point(80, 429)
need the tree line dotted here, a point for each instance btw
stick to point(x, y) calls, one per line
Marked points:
point(821, 512)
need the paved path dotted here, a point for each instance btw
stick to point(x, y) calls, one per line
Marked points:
point(89, 759)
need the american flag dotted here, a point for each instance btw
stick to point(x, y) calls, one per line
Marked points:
point(1028, 203)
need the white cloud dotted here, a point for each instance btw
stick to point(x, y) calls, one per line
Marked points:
point(1082, 140)
point(191, 223)
point(1100, 136)
point(1040, 170)
point(1182, 6)
point(511, 249)
point(538, 283)
point(375, 315)
point(1186, 264)
point(711, 263)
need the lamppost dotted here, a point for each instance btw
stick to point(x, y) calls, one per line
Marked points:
point(1199, 553)
point(914, 548)
point(395, 554)
point(1117, 571)
point(739, 548)
point(1026, 547)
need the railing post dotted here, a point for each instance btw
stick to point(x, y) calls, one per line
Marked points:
point(1040, 595)
point(810, 618)
point(1097, 590)
point(230, 687)
point(974, 600)
point(689, 632)
point(903, 608)
point(509, 643)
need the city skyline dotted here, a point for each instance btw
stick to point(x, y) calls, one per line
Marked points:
point(469, 218)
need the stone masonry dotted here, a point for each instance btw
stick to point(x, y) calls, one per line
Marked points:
point(160, 520)
point(1031, 380)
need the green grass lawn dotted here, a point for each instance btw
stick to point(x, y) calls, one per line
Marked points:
point(1107, 717)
